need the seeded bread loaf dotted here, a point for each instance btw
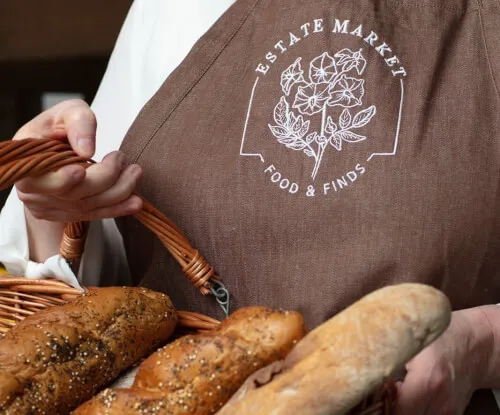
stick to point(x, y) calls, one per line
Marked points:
point(197, 374)
point(344, 360)
point(62, 356)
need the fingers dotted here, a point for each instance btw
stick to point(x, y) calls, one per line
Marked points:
point(72, 183)
point(98, 177)
point(121, 190)
point(103, 190)
point(72, 119)
point(411, 396)
point(427, 389)
point(130, 206)
point(80, 125)
point(70, 194)
point(56, 183)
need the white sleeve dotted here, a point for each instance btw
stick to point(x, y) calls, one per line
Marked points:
point(152, 43)
point(104, 244)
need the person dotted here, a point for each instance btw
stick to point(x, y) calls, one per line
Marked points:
point(312, 151)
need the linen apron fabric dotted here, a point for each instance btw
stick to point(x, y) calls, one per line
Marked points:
point(315, 150)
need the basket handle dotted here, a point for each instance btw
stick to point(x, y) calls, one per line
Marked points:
point(35, 157)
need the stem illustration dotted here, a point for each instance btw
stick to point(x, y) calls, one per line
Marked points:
point(326, 85)
point(321, 152)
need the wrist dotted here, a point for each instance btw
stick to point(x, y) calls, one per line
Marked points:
point(484, 362)
point(44, 237)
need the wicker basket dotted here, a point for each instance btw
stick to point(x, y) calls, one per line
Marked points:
point(21, 297)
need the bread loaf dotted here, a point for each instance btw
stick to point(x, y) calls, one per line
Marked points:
point(197, 374)
point(62, 356)
point(344, 360)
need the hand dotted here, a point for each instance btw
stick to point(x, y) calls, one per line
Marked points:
point(72, 193)
point(443, 377)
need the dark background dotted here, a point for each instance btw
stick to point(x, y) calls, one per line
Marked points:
point(52, 46)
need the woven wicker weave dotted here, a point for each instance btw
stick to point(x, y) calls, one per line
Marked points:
point(21, 297)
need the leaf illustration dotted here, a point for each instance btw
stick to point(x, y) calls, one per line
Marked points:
point(305, 128)
point(301, 128)
point(350, 137)
point(330, 126)
point(329, 85)
point(297, 124)
point(287, 140)
point(364, 117)
point(345, 119)
point(298, 145)
point(279, 132)
point(336, 142)
point(309, 152)
point(311, 137)
point(281, 112)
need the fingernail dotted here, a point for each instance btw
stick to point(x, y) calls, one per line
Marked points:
point(86, 146)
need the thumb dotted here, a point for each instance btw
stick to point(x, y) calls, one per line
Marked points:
point(80, 124)
point(71, 119)
point(412, 395)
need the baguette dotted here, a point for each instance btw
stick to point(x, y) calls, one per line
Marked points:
point(344, 360)
point(197, 374)
point(57, 358)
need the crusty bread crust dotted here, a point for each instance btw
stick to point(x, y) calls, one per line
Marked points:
point(344, 360)
point(62, 356)
point(197, 374)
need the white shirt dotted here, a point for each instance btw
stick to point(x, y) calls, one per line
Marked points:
point(155, 38)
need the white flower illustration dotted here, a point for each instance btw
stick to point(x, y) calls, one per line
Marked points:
point(322, 69)
point(291, 76)
point(329, 87)
point(310, 99)
point(347, 92)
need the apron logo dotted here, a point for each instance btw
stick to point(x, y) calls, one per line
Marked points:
point(323, 107)
point(331, 84)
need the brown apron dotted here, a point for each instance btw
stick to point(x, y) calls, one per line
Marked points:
point(316, 150)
